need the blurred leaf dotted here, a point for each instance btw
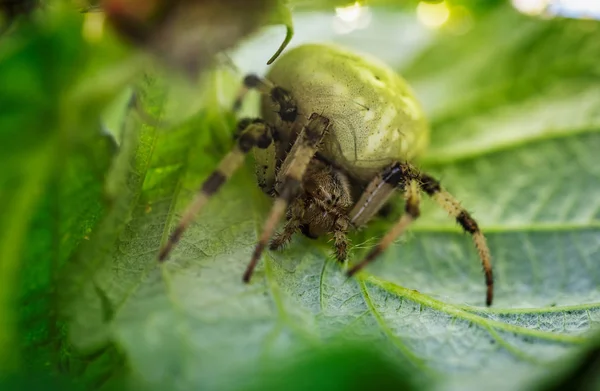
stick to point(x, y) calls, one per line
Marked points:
point(514, 138)
point(31, 136)
point(187, 34)
point(580, 373)
point(37, 381)
point(347, 368)
point(52, 174)
point(11, 10)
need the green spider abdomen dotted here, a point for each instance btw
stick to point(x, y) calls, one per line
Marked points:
point(375, 116)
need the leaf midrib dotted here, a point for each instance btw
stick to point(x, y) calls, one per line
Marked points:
point(464, 313)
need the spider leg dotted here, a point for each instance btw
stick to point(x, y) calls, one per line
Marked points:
point(340, 239)
point(293, 224)
point(411, 207)
point(444, 199)
point(374, 197)
point(285, 130)
point(405, 175)
point(251, 82)
point(255, 133)
point(291, 174)
point(288, 110)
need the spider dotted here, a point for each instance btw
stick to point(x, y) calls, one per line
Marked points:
point(335, 141)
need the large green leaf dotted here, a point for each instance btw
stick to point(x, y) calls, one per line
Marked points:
point(516, 144)
point(56, 157)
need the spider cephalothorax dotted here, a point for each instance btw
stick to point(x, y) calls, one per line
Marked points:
point(322, 207)
point(335, 141)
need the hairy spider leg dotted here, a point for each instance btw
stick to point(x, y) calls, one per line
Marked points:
point(249, 133)
point(411, 208)
point(288, 110)
point(251, 82)
point(295, 214)
point(288, 188)
point(451, 205)
point(340, 239)
point(375, 196)
point(255, 133)
point(405, 176)
point(284, 132)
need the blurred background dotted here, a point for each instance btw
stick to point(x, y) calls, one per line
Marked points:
point(113, 112)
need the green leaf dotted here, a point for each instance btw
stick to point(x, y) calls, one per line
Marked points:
point(348, 367)
point(579, 373)
point(515, 138)
point(31, 137)
point(55, 161)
